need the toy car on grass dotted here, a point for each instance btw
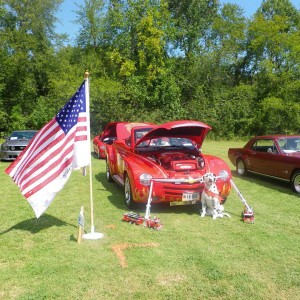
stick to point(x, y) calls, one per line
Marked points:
point(137, 219)
point(276, 156)
point(170, 151)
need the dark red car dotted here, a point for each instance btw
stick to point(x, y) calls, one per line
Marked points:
point(275, 156)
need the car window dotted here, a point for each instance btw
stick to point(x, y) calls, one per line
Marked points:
point(17, 135)
point(289, 145)
point(169, 142)
point(139, 133)
point(264, 145)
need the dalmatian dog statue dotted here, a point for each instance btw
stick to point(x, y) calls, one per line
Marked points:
point(210, 198)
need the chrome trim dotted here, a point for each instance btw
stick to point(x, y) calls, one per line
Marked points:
point(270, 176)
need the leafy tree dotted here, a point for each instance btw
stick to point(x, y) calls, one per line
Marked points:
point(273, 36)
point(228, 44)
point(27, 31)
point(278, 116)
point(90, 16)
point(156, 61)
point(191, 20)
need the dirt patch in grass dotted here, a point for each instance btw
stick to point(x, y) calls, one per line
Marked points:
point(119, 251)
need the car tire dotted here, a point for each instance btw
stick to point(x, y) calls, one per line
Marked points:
point(108, 174)
point(296, 182)
point(241, 169)
point(128, 193)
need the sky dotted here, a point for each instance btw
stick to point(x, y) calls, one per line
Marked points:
point(67, 14)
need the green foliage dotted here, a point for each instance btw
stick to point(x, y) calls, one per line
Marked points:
point(90, 18)
point(274, 113)
point(155, 61)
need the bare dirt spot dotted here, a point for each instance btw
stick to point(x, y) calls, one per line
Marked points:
point(119, 250)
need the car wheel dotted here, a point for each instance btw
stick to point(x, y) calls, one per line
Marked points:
point(128, 193)
point(296, 182)
point(241, 169)
point(108, 175)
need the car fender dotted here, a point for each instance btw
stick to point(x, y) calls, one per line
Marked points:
point(215, 165)
point(111, 157)
point(134, 167)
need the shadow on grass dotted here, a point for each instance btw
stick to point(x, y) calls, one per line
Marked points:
point(35, 225)
point(117, 199)
point(266, 182)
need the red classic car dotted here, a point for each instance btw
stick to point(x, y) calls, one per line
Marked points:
point(168, 158)
point(274, 155)
point(107, 136)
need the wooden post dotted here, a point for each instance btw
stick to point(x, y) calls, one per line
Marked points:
point(80, 225)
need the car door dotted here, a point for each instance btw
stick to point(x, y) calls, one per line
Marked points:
point(265, 157)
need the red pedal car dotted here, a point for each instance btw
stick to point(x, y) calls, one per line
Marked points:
point(168, 156)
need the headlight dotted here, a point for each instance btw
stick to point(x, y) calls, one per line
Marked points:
point(145, 179)
point(201, 162)
point(223, 175)
point(12, 148)
point(4, 148)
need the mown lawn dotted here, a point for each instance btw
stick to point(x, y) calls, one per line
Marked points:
point(190, 258)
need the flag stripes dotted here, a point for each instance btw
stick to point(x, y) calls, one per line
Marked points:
point(61, 145)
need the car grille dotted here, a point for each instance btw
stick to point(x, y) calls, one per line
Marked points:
point(174, 191)
point(16, 148)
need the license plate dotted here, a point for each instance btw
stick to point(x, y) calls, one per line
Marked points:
point(190, 196)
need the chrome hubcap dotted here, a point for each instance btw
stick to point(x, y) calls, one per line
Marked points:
point(107, 171)
point(297, 183)
point(127, 191)
point(240, 168)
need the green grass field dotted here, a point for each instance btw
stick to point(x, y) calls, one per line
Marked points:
point(190, 258)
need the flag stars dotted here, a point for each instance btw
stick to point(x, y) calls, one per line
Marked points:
point(68, 116)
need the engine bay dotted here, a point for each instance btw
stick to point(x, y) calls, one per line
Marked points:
point(179, 161)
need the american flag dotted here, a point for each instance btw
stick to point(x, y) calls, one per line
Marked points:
point(45, 165)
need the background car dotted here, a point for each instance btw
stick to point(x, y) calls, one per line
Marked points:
point(275, 156)
point(169, 156)
point(15, 144)
point(107, 136)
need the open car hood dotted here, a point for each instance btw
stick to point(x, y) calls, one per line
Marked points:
point(193, 130)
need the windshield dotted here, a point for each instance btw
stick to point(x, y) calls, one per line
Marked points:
point(167, 142)
point(139, 133)
point(25, 135)
point(289, 145)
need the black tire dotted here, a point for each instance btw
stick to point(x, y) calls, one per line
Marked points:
point(128, 193)
point(295, 182)
point(98, 154)
point(241, 168)
point(108, 174)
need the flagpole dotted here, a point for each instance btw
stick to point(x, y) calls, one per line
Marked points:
point(92, 235)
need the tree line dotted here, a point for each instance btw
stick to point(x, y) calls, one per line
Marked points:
point(156, 61)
